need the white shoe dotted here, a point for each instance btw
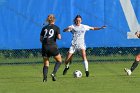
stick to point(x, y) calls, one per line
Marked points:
point(128, 71)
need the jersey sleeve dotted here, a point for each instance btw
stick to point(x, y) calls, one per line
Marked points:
point(87, 27)
point(42, 32)
point(72, 27)
point(58, 31)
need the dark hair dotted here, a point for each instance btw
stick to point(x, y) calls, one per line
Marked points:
point(78, 16)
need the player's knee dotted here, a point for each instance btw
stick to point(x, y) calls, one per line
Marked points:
point(84, 57)
point(138, 58)
point(59, 59)
point(46, 64)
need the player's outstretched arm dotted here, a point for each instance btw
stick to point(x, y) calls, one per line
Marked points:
point(67, 29)
point(98, 28)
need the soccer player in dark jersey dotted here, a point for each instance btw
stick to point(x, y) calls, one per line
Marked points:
point(48, 37)
point(136, 61)
point(133, 66)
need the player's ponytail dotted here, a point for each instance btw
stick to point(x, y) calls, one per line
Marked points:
point(51, 18)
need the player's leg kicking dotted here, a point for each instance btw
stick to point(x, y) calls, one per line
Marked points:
point(68, 61)
point(134, 65)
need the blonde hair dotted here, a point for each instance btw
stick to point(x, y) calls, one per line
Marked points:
point(51, 18)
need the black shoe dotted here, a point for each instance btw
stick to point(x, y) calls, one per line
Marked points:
point(87, 73)
point(53, 77)
point(65, 71)
point(45, 79)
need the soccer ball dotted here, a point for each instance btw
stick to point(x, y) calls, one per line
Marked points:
point(77, 74)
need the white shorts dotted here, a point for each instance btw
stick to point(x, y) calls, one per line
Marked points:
point(74, 48)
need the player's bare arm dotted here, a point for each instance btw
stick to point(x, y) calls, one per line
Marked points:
point(41, 39)
point(98, 28)
point(59, 36)
point(67, 29)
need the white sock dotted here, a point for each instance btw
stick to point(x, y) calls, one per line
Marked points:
point(67, 66)
point(85, 63)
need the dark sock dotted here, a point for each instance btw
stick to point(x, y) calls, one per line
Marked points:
point(134, 65)
point(45, 71)
point(56, 67)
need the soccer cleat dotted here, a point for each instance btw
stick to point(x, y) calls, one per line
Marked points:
point(53, 77)
point(45, 79)
point(128, 71)
point(87, 73)
point(65, 71)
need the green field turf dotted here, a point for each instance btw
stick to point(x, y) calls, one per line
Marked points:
point(105, 77)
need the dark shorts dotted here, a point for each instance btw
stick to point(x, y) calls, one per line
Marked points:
point(49, 50)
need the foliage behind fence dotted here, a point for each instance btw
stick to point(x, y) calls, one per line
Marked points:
point(95, 54)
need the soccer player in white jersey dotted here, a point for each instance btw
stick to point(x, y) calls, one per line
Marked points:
point(78, 42)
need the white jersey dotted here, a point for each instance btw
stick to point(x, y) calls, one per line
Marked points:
point(79, 34)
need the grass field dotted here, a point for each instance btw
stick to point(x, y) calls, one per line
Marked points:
point(105, 77)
